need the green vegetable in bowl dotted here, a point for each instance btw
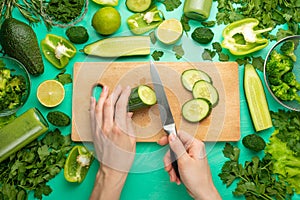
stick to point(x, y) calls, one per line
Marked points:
point(58, 118)
point(290, 79)
point(254, 142)
point(282, 80)
point(288, 49)
point(77, 34)
point(12, 89)
point(202, 35)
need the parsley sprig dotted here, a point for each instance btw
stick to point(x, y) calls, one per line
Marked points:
point(33, 166)
point(255, 178)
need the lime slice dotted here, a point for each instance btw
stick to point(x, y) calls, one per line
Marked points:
point(169, 31)
point(77, 164)
point(50, 93)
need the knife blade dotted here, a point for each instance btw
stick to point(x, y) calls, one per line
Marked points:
point(164, 111)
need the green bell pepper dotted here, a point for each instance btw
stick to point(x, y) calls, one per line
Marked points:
point(140, 23)
point(241, 37)
point(57, 50)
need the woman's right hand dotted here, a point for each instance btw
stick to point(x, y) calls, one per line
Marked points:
point(192, 165)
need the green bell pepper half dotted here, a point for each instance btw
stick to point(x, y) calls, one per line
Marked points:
point(241, 37)
point(140, 23)
point(57, 50)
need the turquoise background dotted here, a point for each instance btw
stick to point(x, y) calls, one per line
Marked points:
point(148, 184)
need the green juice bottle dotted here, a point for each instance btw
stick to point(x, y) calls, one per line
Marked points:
point(21, 131)
point(197, 9)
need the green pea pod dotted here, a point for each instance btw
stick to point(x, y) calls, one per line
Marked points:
point(241, 37)
point(57, 50)
point(140, 23)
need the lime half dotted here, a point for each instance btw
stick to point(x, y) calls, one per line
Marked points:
point(169, 31)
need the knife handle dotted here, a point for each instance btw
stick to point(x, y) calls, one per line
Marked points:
point(174, 163)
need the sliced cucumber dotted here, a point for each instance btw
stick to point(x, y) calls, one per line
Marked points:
point(256, 99)
point(141, 97)
point(204, 89)
point(119, 46)
point(195, 110)
point(138, 5)
point(191, 76)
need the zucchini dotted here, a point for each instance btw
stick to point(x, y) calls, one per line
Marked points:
point(119, 46)
point(190, 76)
point(141, 97)
point(196, 110)
point(138, 5)
point(204, 89)
point(256, 99)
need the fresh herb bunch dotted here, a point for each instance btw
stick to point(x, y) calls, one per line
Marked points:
point(284, 146)
point(170, 4)
point(288, 125)
point(270, 13)
point(64, 11)
point(31, 10)
point(255, 179)
point(33, 166)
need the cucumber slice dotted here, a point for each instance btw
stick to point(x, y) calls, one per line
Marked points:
point(191, 76)
point(256, 99)
point(138, 5)
point(141, 97)
point(195, 110)
point(204, 89)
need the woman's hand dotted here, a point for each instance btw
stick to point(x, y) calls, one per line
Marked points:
point(192, 165)
point(114, 141)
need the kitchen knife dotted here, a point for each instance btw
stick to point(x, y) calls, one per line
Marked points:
point(164, 111)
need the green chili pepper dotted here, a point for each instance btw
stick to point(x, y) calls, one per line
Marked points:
point(241, 37)
point(140, 23)
point(57, 50)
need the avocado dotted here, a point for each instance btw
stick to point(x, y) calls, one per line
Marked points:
point(18, 40)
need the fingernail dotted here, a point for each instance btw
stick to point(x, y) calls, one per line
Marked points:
point(172, 137)
point(128, 87)
point(105, 88)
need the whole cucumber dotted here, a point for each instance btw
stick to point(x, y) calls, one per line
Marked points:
point(18, 40)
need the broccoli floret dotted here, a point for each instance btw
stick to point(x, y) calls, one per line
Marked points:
point(77, 34)
point(254, 142)
point(202, 35)
point(290, 79)
point(58, 118)
point(278, 64)
point(288, 48)
point(12, 89)
point(285, 92)
point(274, 80)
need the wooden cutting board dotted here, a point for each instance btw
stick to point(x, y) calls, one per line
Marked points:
point(223, 124)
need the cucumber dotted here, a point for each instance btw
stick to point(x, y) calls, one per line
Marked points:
point(190, 76)
point(204, 89)
point(196, 110)
point(138, 5)
point(119, 46)
point(141, 97)
point(256, 99)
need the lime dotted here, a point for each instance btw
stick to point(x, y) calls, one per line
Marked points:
point(106, 20)
point(50, 93)
point(77, 164)
point(169, 31)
